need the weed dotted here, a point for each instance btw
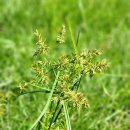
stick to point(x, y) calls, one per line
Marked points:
point(66, 72)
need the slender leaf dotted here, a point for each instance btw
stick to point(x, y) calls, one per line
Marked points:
point(67, 116)
point(47, 104)
point(72, 37)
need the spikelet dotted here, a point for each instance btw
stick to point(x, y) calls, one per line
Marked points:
point(41, 74)
point(76, 98)
point(90, 54)
point(42, 47)
point(63, 61)
point(61, 36)
point(24, 85)
point(101, 66)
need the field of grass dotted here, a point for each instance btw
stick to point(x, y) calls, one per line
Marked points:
point(103, 25)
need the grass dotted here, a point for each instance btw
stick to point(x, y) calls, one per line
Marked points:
point(67, 116)
point(47, 104)
point(103, 25)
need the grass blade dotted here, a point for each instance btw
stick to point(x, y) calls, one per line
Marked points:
point(38, 91)
point(47, 104)
point(67, 116)
point(77, 41)
point(72, 37)
point(53, 115)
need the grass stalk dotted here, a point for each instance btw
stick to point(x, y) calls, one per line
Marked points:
point(72, 37)
point(47, 104)
point(67, 116)
point(53, 115)
point(38, 91)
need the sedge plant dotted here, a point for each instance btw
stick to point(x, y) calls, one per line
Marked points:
point(61, 79)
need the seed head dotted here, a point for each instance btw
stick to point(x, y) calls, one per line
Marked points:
point(24, 85)
point(42, 47)
point(101, 66)
point(61, 36)
point(76, 98)
point(41, 74)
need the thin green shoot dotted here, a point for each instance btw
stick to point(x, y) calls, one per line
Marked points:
point(47, 104)
point(72, 37)
point(67, 116)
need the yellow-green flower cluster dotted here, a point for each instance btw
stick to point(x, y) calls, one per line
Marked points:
point(42, 47)
point(72, 68)
point(76, 98)
point(41, 73)
point(25, 85)
point(61, 36)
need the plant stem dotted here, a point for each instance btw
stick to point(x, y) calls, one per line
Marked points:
point(54, 114)
point(67, 116)
point(37, 91)
point(72, 37)
point(47, 104)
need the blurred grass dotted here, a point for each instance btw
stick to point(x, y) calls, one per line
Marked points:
point(104, 25)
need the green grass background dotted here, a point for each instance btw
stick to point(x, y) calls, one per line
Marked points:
point(104, 24)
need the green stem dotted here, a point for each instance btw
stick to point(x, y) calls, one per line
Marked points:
point(53, 116)
point(47, 104)
point(72, 37)
point(67, 116)
point(58, 114)
point(38, 91)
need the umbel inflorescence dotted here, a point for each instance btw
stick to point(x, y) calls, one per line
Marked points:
point(71, 67)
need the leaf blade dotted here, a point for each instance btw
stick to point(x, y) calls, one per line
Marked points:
point(67, 116)
point(47, 104)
